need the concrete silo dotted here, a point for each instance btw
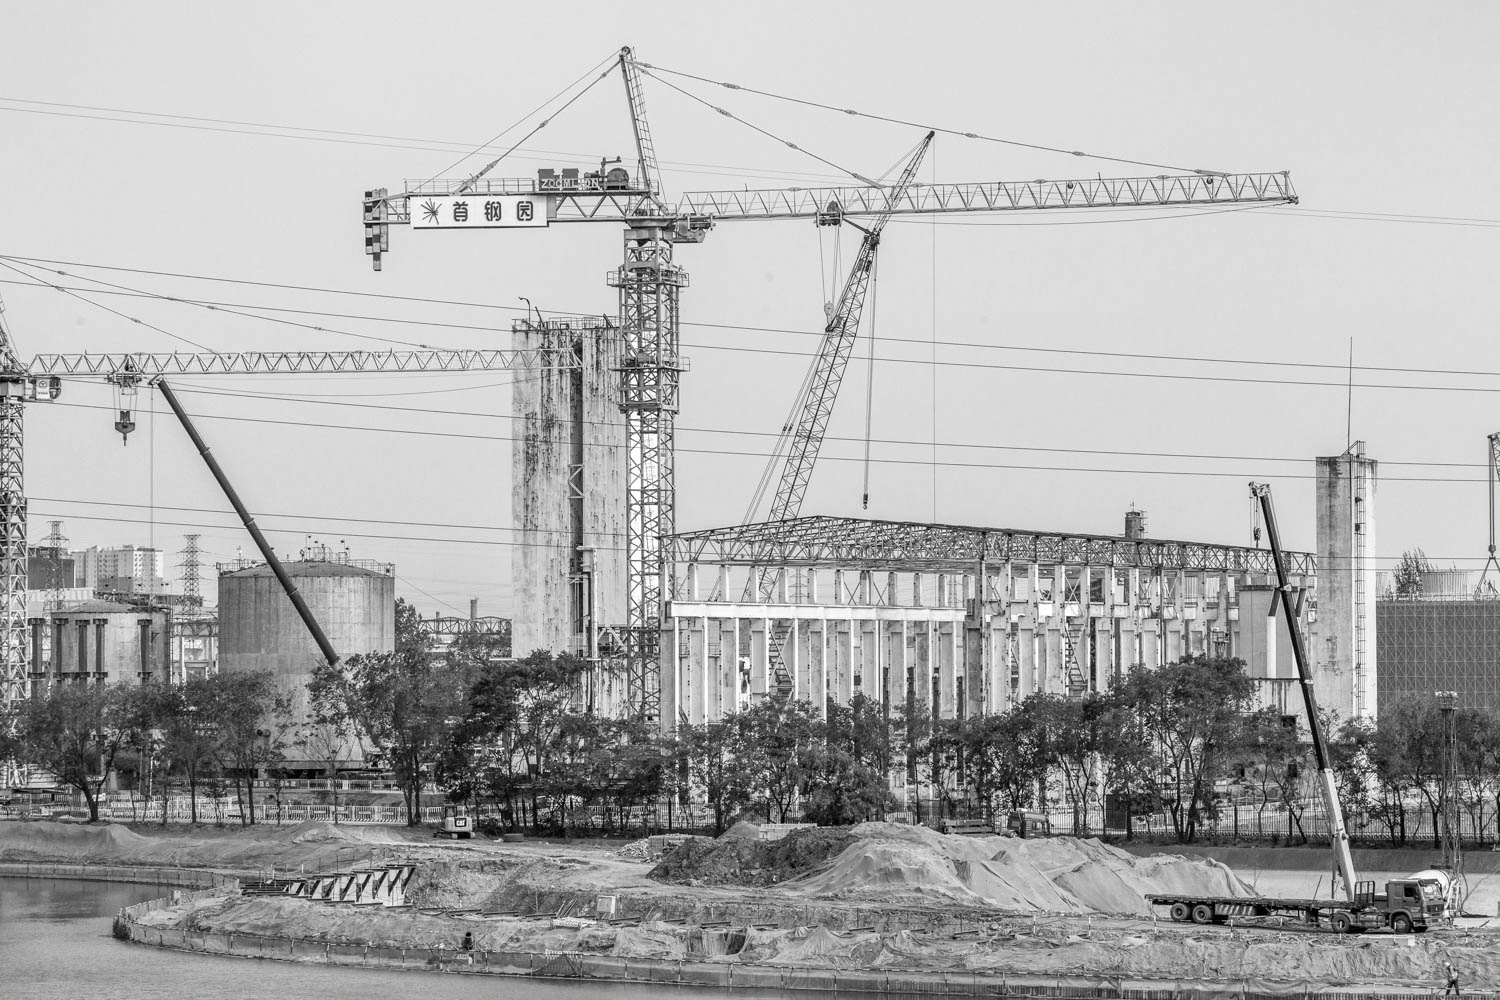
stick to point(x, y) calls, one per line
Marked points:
point(353, 600)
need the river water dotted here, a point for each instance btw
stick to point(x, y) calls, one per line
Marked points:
point(55, 944)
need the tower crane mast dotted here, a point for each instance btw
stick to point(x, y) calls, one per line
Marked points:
point(18, 386)
point(649, 284)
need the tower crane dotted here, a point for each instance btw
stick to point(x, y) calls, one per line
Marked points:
point(649, 284)
point(18, 386)
point(41, 379)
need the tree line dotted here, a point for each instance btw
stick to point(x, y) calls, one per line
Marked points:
point(514, 736)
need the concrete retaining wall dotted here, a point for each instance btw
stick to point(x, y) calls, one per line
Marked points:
point(192, 878)
point(602, 968)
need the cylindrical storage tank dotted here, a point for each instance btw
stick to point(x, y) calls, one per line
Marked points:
point(355, 603)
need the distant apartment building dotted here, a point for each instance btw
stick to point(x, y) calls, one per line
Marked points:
point(129, 569)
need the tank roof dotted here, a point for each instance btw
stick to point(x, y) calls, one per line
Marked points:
point(100, 608)
point(309, 567)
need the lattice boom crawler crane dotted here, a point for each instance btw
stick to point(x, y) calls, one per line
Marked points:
point(649, 283)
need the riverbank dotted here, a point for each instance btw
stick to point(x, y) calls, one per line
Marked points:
point(825, 907)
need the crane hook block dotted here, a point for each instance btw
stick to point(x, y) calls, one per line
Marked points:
point(125, 424)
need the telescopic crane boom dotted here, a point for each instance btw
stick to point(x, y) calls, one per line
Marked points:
point(1336, 829)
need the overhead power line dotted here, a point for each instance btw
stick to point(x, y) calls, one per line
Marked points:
point(455, 435)
point(733, 327)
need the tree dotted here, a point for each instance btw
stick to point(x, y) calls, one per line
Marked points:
point(513, 729)
point(253, 730)
point(74, 732)
point(401, 703)
point(1271, 760)
point(779, 733)
point(1188, 713)
point(718, 764)
point(846, 759)
point(1408, 753)
point(1407, 575)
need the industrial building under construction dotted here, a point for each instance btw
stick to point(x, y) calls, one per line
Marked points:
point(969, 619)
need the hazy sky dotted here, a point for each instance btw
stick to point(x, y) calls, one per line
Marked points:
point(285, 112)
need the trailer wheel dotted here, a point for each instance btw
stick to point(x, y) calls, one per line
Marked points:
point(1341, 922)
point(1203, 914)
point(1401, 923)
point(1181, 912)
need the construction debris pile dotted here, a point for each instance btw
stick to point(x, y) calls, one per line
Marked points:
point(895, 864)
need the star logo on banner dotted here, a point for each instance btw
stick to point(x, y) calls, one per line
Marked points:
point(430, 212)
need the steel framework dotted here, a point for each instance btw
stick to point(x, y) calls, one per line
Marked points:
point(1163, 191)
point(294, 362)
point(846, 541)
point(463, 626)
point(649, 283)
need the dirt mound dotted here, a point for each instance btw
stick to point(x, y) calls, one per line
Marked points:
point(50, 839)
point(911, 864)
point(741, 861)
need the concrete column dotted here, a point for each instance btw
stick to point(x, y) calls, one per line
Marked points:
point(947, 671)
point(699, 673)
point(36, 645)
point(671, 676)
point(891, 596)
point(812, 586)
point(921, 663)
point(795, 658)
point(734, 696)
point(875, 659)
point(916, 590)
point(1055, 676)
point(760, 659)
point(99, 668)
point(817, 668)
point(691, 586)
point(841, 688)
point(895, 665)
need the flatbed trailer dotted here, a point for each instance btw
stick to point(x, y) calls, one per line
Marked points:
point(1406, 906)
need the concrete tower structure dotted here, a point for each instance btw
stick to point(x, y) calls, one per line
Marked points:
point(1343, 646)
point(568, 504)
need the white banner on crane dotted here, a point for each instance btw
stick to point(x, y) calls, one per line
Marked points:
point(478, 211)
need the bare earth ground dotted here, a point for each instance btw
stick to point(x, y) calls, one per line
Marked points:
point(875, 896)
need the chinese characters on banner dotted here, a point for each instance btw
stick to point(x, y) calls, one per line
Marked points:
point(478, 211)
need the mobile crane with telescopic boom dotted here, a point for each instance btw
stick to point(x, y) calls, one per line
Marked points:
point(1410, 904)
